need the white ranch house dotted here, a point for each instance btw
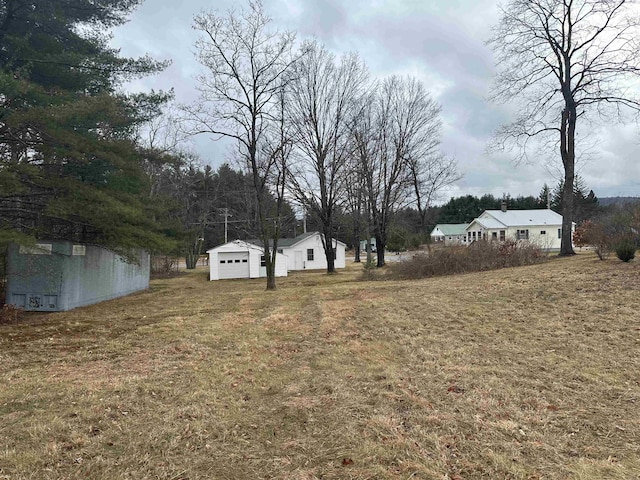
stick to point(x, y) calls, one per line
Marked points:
point(306, 252)
point(450, 234)
point(245, 259)
point(542, 227)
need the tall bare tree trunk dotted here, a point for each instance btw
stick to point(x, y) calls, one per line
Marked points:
point(567, 152)
point(380, 243)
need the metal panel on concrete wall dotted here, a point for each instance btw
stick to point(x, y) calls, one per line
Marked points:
point(70, 275)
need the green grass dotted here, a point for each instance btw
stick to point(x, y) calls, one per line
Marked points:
point(521, 373)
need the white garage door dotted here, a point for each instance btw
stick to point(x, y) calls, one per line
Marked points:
point(233, 265)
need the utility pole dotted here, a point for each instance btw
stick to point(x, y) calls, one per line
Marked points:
point(225, 212)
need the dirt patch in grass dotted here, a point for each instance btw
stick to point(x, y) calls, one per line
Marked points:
point(522, 373)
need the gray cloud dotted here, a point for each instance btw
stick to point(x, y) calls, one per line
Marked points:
point(442, 43)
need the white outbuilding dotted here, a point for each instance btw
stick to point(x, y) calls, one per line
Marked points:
point(306, 252)
point(449, 233)
point(240, 259)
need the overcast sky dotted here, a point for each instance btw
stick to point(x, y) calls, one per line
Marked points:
point(441, 43)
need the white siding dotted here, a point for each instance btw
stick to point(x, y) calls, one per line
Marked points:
point(313, 242)
point(242, 251)
point(281, 266)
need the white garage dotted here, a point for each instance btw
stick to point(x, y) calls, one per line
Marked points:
point(240, 259)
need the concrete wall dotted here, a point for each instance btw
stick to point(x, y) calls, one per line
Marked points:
point(60, 276)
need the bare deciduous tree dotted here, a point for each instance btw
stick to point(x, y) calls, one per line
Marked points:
point(563, 60)
point(396, 134)
point(247, 67)
point(323, 94)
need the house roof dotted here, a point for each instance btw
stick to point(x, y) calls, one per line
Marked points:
point(451, 228)
point(236, 246)
point(515, 218)
point(290, 242)
point(488, 223)
point(283, 242)
point(495, 219)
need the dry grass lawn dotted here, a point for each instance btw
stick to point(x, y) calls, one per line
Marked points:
point(524, 373)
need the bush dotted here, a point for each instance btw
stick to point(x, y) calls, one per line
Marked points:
point(626, 250)
point(163, 265)
point(477, 257)
point(594, 235)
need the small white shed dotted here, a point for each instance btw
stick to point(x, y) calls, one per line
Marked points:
point(306, 252)
point(240, 259)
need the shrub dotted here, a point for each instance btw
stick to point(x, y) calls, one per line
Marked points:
point(477, 257)
point(594, 235)
point(163, 265)
point(626, 250)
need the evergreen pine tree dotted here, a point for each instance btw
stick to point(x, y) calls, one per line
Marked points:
point(69, 165)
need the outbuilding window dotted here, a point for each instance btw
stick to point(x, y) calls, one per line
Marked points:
point(543, 232)
point(310, 254)
point(263, 261)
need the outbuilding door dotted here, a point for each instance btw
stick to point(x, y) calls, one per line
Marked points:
point(297, 260)
point(233, 265)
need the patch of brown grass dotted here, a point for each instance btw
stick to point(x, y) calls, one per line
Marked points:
point(522, 373)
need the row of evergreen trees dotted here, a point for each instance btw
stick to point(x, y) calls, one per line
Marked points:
point(465, 209)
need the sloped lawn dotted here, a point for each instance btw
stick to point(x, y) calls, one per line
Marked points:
point(523, 373)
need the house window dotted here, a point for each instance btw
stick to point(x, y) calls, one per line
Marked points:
point(244, 260)
point(263, 261)
point(522, 235)
point(494, 235)
point(559, 233)
point(222, 261)
point(543, 232)
point(310, 254)
point(473, 236)
point(237, 261)
point(280, 250)
point(503, 235)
